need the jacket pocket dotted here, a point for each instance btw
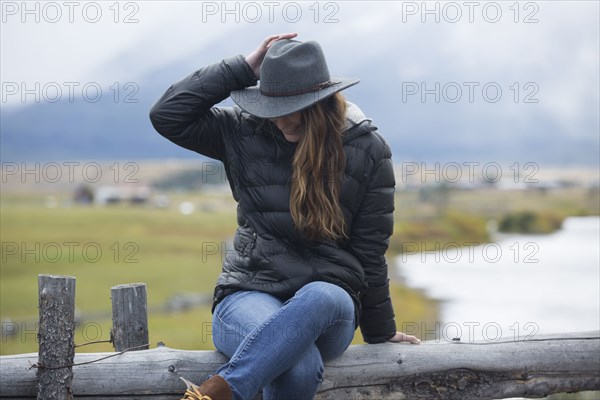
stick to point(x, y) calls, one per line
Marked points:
point(244, 241)
point(249, 248)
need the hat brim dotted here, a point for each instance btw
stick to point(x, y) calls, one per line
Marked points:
point(254, 102)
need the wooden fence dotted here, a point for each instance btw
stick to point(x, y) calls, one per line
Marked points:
point(535, 367)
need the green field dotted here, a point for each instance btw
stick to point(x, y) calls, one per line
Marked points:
point(173, 253)
point(105, 246)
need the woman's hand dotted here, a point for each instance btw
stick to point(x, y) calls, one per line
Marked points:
point(255, 58)
point(403, 337)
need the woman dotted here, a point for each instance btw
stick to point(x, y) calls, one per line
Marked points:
point(315, 190)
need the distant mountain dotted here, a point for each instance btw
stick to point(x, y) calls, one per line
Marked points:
point(428, 131)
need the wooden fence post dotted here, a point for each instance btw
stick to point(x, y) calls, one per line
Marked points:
point(56, 336)
point(129, 316)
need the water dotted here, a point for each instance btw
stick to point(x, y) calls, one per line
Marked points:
point(518, 286)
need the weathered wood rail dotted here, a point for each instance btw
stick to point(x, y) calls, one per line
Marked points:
point(449, 370)
point(534, 367)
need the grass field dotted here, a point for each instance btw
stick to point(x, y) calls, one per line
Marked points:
point(105, 246)
point(174, 253)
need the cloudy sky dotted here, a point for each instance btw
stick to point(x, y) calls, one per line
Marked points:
point(51, 41)
point(541, 52)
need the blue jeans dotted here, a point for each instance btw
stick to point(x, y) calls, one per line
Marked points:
point(280, 346)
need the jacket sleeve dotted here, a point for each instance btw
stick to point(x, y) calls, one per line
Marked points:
point(371, 230)
point(185, 114)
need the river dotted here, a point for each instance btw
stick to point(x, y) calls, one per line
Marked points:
point(517, 286)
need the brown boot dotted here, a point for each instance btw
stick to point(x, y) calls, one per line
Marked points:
point(214, 388)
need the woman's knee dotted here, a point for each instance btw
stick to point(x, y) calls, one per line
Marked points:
point(238, 315)
point(330, 297)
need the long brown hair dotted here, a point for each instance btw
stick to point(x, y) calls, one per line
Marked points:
point(318, 168)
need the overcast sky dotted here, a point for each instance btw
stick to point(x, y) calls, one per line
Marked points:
point(554, 43)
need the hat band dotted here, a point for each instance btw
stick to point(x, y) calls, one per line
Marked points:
point(314, 88)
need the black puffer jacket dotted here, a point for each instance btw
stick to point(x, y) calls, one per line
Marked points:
point(270, 254)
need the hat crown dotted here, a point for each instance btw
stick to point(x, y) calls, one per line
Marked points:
point(291, 67)
point(293, 77)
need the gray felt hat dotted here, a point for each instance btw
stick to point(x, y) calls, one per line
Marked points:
point(293, 76)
